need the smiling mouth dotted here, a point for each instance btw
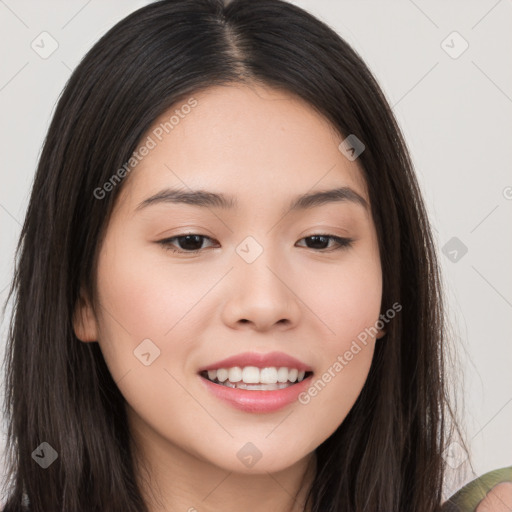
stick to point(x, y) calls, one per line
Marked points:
point(255, 379)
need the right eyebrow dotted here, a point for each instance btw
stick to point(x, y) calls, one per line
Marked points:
point(200, 198)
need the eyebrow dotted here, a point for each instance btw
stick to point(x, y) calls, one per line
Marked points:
point(205, 199)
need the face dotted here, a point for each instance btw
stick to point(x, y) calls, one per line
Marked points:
point(265, 278)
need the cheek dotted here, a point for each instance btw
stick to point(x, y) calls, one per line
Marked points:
point(138, 304)
point(139, 311)
point(345, 296)
point(142, 300)
point(346, 355)
point(334, 391)
point(349, 306)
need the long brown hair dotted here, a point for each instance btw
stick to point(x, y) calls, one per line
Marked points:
point(387, 453)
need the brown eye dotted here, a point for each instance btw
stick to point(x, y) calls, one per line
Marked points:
point(189, 243)
point(320, 242)
point(192, 243)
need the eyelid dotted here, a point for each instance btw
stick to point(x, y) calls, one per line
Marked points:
point(342, 242)
point(166, 243)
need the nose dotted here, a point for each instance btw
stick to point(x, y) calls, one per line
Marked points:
point(261, 295)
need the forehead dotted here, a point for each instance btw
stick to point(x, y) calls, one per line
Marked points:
point(254, 142)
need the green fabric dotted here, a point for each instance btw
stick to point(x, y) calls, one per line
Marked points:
point(468, 497)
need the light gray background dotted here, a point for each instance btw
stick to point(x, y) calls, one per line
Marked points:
point(454, 112)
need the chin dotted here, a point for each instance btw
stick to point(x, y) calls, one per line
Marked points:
point(248, 458)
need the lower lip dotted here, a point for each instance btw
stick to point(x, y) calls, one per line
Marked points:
point(257, 401)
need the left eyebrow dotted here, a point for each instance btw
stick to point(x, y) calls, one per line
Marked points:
point(203, 198)
point(341, 194)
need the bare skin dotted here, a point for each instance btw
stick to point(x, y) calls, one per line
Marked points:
point(263, 147)
point(498, 499)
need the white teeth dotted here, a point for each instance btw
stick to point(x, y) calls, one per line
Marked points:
point(235, 374)
point(282, 374)
point(292, 374)
point(222, 374)
point(259, 387)
point(268, 376)
point(253, 375)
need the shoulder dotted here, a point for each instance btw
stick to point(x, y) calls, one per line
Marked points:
point(491, 492)
point(499, 499)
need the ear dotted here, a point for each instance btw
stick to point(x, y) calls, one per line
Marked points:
point(381, 334)
point(84, 321)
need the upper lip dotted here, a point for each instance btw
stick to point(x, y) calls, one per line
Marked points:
point(260, 360)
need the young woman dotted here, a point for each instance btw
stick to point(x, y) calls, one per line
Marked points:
point(226, 293)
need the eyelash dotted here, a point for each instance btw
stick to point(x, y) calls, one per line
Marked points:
point(343, 243)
